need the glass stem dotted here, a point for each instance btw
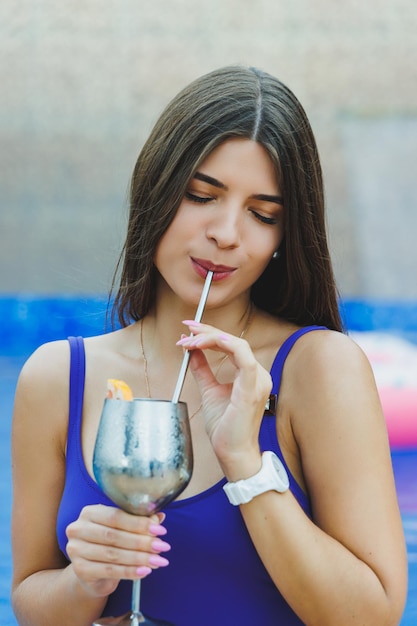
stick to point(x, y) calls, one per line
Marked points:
point(136, 617)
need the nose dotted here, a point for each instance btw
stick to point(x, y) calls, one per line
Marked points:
point(224, 227)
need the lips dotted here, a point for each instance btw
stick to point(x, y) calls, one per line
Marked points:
point(202, 266)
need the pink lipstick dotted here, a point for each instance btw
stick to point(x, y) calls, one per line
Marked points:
point(203, 266)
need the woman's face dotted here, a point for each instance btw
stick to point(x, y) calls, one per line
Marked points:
point(230, 221)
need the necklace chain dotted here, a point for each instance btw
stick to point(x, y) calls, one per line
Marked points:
point(145, 361)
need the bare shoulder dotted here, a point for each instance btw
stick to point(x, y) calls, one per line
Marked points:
point(41, 400)
point(333, 401)
point(331, 355)
point(330, 393)
point(324, 343)
point(46, 369)
point(41, 407)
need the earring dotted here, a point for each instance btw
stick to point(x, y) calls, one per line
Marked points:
point(276, 255)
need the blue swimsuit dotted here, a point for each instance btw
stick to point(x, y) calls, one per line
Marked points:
point(215, 575)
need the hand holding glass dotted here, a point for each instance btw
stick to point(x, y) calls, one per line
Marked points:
point(142, 460)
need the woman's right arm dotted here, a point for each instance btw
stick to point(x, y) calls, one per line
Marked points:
point(105, 544)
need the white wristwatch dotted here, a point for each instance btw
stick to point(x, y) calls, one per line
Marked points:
point(271, 477)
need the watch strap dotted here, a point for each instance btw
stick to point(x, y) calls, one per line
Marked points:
point(271, 477)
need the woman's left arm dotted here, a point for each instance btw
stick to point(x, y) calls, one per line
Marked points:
point(348, 565)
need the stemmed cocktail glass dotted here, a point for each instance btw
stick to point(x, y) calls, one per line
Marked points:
point(143, 459)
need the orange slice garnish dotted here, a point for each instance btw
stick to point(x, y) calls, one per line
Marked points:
point(118, 390)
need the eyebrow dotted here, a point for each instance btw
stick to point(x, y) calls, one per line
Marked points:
point(217, 183)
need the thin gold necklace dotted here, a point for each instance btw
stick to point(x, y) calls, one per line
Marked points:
point(145, 361)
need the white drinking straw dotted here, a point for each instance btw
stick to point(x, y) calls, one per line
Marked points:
point(198, 316)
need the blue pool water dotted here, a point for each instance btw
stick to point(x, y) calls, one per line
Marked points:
point(22, 330)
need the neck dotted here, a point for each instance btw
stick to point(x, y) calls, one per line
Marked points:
point(163, 324)
point(165, 319)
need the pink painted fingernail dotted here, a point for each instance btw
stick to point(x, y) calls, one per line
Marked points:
point(224, 337)
point(157, 529)
point(143, 571)
point(159, 561)
point(160, 546)
point(191, 323)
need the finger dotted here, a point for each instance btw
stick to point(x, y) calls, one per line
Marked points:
point(201, 371)
point(208, 337)
point(252, 382)
point(120, 550)
point(96, 537)
point(119, 519)
point(96, 573)
point(160, 517)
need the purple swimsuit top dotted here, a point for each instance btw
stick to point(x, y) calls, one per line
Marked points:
point(215, 575)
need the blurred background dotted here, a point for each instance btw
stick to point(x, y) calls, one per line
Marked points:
point(82, 83)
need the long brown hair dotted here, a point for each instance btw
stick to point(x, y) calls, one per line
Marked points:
point(234, 101)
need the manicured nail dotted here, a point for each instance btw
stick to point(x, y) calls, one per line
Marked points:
point(143, 571)
point(224, 337)
point(191, 323)
point(157, 529)
point(157, 560)
point(160, 546)
point(182, 341)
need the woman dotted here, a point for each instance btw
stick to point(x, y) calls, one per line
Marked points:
point(228, 181)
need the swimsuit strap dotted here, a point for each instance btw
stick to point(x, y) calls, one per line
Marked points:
point(77, 378)
point(278, 364)
point(268, 434)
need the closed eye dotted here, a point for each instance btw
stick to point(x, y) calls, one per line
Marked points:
point(199, 199)
point(263, 218)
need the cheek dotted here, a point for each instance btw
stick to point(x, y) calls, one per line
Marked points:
point(264, 246)
point(175, 237)
point(183, 224)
